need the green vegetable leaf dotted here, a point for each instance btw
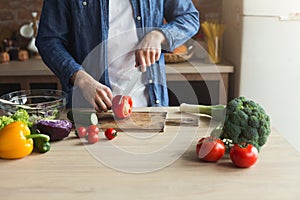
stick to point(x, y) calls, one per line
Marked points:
point(19, 115)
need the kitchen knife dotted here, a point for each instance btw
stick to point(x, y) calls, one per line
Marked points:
point(134, 79)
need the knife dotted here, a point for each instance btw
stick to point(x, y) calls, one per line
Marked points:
point(134, 79)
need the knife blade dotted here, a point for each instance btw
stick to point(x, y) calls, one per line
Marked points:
point(129, 87)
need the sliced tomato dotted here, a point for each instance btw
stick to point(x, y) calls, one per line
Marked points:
point(122, 109)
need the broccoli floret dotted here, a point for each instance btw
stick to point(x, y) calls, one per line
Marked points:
point(246, 122)
point(254, 121)
point(229, 129)
point(251, 134)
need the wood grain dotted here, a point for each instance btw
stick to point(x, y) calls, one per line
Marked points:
point(71, 171)
point(138, 121)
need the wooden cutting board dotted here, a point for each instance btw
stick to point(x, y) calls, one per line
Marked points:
point(138, 121)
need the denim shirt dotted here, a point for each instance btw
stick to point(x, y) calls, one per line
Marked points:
point(70, 29)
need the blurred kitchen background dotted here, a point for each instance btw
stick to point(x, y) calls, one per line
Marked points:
point(15, 13)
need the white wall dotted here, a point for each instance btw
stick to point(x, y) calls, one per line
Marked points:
point(265, 52)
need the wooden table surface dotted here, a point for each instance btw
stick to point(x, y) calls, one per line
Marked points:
point(155, 166)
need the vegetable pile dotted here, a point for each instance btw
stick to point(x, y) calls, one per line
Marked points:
point(245, 121)
point(20, 136)
point(87, 121)
point(244, 127)
point(212, 149)
point(91, 133)
point(16, 140)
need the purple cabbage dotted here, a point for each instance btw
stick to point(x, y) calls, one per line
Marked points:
point(55, 129)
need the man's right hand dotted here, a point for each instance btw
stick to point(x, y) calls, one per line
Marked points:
point(98, 95)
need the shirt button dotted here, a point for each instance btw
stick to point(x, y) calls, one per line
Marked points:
point(138, 18)
point(157, 101)
point(84, 3)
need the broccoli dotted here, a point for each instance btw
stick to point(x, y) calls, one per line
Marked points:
point(242, 121)
point(246, 122)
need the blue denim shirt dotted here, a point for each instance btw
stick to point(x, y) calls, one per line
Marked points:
point(70, 29)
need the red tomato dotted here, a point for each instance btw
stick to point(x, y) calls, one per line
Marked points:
point(210, 149)
point(122, 109)
point(110, 133)
point(93, 138)
point(93, 128)
point(243, 156)
point(81, 132)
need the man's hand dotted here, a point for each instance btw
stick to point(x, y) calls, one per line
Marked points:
point(149, 49)
point(98, 95)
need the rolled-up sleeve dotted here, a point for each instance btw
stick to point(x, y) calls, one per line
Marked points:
point(182, 22)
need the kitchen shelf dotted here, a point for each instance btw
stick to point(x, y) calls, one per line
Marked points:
point(34, 71)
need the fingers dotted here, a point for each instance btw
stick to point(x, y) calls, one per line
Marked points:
point(103, 97)
point(99, 105)
point(98, 95)
point(152, 56)
point(147, 57)
point(150, 49)
point(157, 56)
point(140, 60)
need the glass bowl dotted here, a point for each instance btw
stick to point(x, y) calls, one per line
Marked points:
point(39, 103)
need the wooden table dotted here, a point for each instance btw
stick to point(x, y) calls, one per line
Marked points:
point(71, 171)
point(35, 71)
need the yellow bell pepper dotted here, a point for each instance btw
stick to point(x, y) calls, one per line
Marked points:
point(13, 141)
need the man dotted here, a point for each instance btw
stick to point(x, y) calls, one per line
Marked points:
point(76, 40)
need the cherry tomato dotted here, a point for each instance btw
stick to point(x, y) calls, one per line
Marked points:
point(81, 132)
point(210, 149)
point(92, 138)
point(93, 128)
point(243, 156)
point(122, 109)
point(110, 133)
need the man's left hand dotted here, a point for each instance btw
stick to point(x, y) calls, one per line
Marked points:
point(149, 49)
